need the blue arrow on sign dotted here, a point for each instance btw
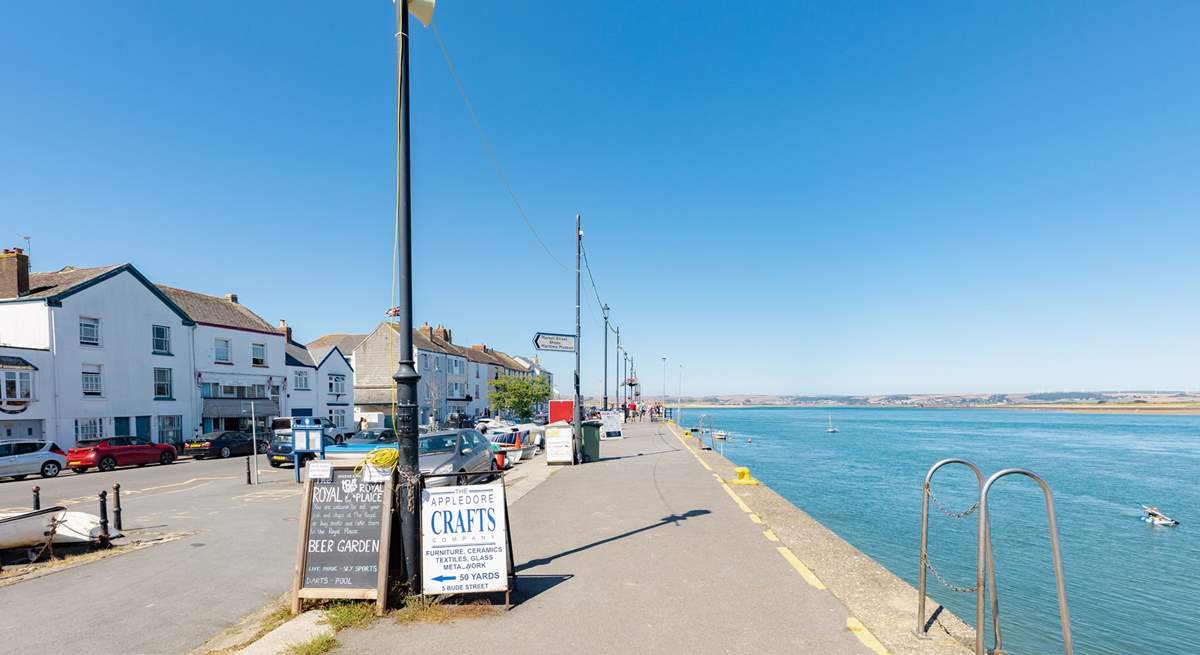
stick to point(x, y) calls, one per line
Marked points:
point(443, 578)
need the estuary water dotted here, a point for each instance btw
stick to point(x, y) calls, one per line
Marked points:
point(1132, 587)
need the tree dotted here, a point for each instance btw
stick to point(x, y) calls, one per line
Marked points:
point(519, 395)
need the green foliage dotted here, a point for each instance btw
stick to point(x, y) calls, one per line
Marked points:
point(519, 395)
point(349, 613)
point(314, 646)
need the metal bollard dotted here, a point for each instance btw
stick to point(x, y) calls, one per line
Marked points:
point(104, 516)
point(248, 471)
point(37, 498)
point(117, 506)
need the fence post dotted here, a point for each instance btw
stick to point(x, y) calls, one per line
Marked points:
point(117, 506)
point(104, 516)
point(37, 498)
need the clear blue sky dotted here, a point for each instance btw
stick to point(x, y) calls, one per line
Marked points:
point(852, 197)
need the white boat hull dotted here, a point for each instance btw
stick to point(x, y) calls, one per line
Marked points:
point(30, 528)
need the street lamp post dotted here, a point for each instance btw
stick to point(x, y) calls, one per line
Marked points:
point(406, 377)
point(664, 396)
point(604, 309)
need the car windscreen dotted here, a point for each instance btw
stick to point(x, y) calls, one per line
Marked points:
point(88, 443)
point(281, 424)
point(282, 439)
point(437, 443)
point(373, 437)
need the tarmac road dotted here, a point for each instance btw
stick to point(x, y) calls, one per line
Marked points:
point(237, 554)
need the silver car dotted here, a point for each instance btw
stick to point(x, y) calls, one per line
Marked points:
point(19, 458)
point(463, 450)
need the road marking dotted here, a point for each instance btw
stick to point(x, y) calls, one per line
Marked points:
point(734, 496)
point(703, 463)
point(855, 626)
point(770, 535)
point(180, 484)
point(756, 518)
point(809, 577)
point(270, 494)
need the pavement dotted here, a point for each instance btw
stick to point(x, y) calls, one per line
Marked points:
point(234, 551)
point(642, 552)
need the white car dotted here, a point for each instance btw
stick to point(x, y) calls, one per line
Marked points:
point(19, 458)
point(282, 427)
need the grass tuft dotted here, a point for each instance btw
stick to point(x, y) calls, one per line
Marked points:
point(349, 614)
point(314, 646)
point(420, 609)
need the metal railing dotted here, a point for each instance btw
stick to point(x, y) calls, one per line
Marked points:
point(984, 557)
point(926, 496)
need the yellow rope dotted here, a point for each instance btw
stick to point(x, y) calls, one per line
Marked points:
point(384, 459)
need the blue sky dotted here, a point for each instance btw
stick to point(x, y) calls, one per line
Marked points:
point(848, 197)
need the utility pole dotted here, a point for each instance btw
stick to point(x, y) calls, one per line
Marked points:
point(604, 310)
point(578, 399)
point(664, 396)
point(406, 376)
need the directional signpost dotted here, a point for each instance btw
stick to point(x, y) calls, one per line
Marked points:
point(557, 342)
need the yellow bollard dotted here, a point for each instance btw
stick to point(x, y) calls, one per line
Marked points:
point(743, 477)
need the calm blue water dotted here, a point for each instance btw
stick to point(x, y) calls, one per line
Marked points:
point(1132, 587)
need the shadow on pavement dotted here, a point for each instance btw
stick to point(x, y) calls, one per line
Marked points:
point(657, 452)
point(529, 586)
point(666, 520)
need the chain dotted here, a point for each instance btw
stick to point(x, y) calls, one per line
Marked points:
point(954, 515)
point(963, 590)
point(412, 482)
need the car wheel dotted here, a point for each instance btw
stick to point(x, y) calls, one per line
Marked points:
point(80, 470)
point(18, 477)
point(462, 479)
point(225, 452)
point(167, 457)
point(50, 469)
point(275, 465)
point(197, 456)
point(108, 464)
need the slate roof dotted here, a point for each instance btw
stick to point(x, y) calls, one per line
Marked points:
point(45, 285)
point(8, 361)
point(344, 342)
point(212, 310)
point(298, 355)
point(480, 356)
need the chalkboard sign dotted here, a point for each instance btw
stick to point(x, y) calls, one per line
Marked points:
point(345, 525)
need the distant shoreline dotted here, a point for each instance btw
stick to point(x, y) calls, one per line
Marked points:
point(1173, 409)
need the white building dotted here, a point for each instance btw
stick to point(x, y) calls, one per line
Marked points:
point(115, 352)
point(334, 385)
point(102, 351)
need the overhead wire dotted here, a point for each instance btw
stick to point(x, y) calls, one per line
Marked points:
point(487, 144)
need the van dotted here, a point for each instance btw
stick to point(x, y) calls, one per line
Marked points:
point(282, 427)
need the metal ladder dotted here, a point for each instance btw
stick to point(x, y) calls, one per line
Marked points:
point(984, 562)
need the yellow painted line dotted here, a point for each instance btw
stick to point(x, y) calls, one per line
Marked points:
point(756, 518)
point(855, 626)
point(809, 577)
point(180, 484)
point(770, 535)
point(703, 463)
point(736, 499)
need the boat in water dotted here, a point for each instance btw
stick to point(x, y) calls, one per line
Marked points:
point(1155, 517)
point(720, 435)
point(831, 429)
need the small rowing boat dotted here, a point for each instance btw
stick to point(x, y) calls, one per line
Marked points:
point(1155, 517)
point(30, 528)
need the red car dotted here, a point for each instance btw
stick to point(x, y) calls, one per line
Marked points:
point(107, 454)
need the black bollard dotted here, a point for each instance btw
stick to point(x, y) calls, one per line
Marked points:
point(248, 471)
point(37, 498)
point(104, 516)
point(117, 506)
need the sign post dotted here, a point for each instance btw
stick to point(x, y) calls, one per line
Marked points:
point(345, 536)
point(564, 343)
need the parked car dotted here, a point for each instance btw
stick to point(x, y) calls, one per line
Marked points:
point(282, 426)
point(280, 451)
point(225, 443)
point(462, 451)
point(26, 457)
point(111, 452)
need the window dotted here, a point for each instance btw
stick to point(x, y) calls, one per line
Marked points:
point(89, 331)
point(258, 354)
point(337, 384)
point(160, 340)
point(170, 429)
point(424, 363)
point(210, 390)
point(89, 428)
point(337, 416)
point(221, 351)
point(258, 391)
point(302, 381)
point(92, 384)
point(162, 383)
point(477, 391)
point(18, 385)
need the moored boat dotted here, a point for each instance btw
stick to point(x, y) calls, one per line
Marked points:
point(1155, 517)
point(22, 530)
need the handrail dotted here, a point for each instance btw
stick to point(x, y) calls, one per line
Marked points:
point(982, 553)
point(921, 577)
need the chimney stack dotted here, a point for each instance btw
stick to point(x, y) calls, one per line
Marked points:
point(443, 333)
point(14, 273)
point(287, 331)
point(231, 297)
point(426, 330)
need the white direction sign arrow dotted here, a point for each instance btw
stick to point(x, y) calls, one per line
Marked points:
point(560, 342)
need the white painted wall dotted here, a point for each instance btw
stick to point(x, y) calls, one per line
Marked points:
point(15, 420)
point(127, 310)
point(335, 364)
point(303, 398)
point(25, 324)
